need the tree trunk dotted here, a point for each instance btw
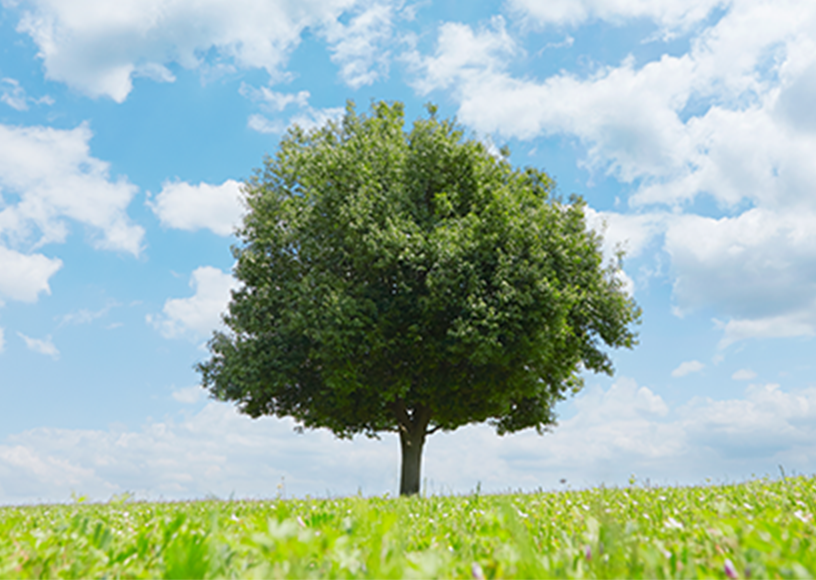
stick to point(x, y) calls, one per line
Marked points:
point(413, 427)
point(411, 444)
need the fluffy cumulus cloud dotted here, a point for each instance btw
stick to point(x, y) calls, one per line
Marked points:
point(630, 233)
point(98, 47)
point(200, 314)
point(48, 180)
point(464, 57)
point(48, 176)
point(612, 434)
point(610, 112)
point(729, 121)
point(752, 268)
point(191, 207)
point(24, 276)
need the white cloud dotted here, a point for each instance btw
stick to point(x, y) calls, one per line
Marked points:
point(613, 433)
point(786, 326)
point(51, 474)
point(273, 102)
point(216, 451)
point(464, 56)
point(261, 124)
point(155, 72)
point(56, 178)
point(668, 13)
point(752, 268)
point(192, 207)
point(744, 375)
point(360, 48)
point(620, 113)
point(630, 429)
point(686, 368)
point(23, 277)
point(189, 395)
point(631, 233)
point(85, 316)
point(98, 47)
point(41, 345)
point(311, 118)
point(737, 157)
point(12, 94)
point(768, 422)
point(201, 313)
point(704, 121)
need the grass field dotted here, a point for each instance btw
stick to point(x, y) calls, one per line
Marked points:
point(759, 529)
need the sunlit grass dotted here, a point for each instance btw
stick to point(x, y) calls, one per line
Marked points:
point(759, 529)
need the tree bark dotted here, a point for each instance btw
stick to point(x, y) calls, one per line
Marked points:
point(413, 425)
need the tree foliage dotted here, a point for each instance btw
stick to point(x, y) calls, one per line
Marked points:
point(411, 281)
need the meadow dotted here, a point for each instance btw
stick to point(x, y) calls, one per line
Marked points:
point(757, 529)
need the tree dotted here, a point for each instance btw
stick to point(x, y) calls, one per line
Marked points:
point(411, 282)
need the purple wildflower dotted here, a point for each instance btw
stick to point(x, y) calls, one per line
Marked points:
point(588, 553)
point(730, 570)
point(477, 572)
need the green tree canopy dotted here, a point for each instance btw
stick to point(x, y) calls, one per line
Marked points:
point(411, 282)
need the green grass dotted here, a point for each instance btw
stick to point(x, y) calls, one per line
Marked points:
point(759, 529)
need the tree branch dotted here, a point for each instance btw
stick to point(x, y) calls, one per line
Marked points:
point(405, 423)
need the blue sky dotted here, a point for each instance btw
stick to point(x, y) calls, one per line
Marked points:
point(126, 129)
